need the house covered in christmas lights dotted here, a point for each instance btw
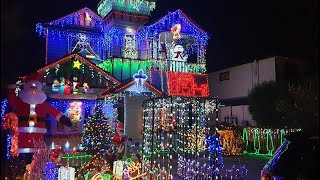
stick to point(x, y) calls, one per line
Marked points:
point(114, 59)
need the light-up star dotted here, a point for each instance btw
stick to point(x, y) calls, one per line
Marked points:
point(76, 64)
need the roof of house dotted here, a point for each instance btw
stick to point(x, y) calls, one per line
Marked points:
point(125, 85)
point(182, 16)
point(78, 11)
point(84, 60)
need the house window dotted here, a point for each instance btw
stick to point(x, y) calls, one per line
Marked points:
point(224, 76)
point(60, 127)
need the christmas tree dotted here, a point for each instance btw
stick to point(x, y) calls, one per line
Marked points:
point(97, 132)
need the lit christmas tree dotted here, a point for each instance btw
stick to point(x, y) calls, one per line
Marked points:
point(97, 133)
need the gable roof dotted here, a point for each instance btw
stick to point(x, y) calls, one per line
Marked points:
point(83, 60)
point(170, 17)
point(123, 86)
point(78, 11)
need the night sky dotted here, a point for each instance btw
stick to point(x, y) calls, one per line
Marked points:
point(240, 31)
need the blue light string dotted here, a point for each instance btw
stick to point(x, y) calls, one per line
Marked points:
point(63, 105)
point(4, 104)
point(8, 146)
point(50, 171)
point(106, 37)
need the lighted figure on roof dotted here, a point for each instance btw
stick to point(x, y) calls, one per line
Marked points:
point(130, 48)
point(176, 31)
point(83, 46)
point(75, 85)
point(85, 88)
point(178, 54)
point(62, 84)
point(55, 87)
point(88, 18)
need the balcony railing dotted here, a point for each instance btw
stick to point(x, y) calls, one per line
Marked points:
point(115, 65)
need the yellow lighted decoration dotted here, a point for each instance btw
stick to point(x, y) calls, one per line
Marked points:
point(196, 137)
point(88, 18)
point(75, 111)
point(100, 176)
point(231, 144)
point(133, 169)
point(76, 64)
point(32, 119)
point(117, 178)
point(176, 31)
point(165, 121)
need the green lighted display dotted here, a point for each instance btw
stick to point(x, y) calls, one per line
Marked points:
point(117, 68)
point(245, 137)
point(77, 156)
point(269, 138)
point(124, 69)
point(135, 67)
point(265, 141)
point(256, 137)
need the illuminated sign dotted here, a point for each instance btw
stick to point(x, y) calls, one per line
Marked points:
point(187, 84)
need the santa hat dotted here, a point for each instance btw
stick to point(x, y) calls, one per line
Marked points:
point(120, 126)
point(34, 76)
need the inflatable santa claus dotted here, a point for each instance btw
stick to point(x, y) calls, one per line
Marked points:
point(31, 109)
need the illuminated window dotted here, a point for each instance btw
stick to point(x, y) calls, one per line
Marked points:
point(224, 76)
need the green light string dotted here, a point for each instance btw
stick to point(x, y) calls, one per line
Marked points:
point(76, 157)
point(282, 134)
point(269, 136)
point(245, 137)
point(256, 136)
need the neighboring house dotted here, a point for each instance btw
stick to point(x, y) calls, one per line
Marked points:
point(233, 84)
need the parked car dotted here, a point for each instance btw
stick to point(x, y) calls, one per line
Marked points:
point(295, 159)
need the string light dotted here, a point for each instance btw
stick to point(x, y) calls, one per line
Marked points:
point(134, 6)
point(265, 141)
point(4, 104)
point(11, 123)
point(97, 133)
point(191, 138)
point(187, 84)
point(91, 65)
point(66, 173)
point(51, 171)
